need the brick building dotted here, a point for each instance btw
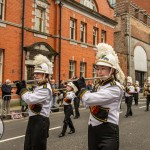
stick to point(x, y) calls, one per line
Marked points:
point(70, 28)
point(132, 37)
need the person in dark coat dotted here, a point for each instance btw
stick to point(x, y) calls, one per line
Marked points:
point(6, 96)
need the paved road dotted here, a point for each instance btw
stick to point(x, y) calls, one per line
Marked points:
point(134, 131)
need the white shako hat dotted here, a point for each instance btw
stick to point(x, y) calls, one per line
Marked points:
point(129, 79)
point(75, 89)
point(137, 83)
point(106, 56)
point(148, 80)
point(42, 64)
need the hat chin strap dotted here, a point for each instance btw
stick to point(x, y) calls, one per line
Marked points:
point(106, 77)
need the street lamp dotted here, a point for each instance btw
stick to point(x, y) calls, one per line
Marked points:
point(58, 2)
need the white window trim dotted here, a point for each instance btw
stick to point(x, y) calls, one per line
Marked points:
point(3, 3)
point(74, 28)
point(72, 67)
point(95, 35)
point(83, 30)
point(46, 18)
point(82, 69)
point(103, 38)
point(89, 3)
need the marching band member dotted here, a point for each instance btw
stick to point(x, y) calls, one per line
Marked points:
point(129, 91)
point(104, 101)
point(147, 89)
point(39, 102)
point(136, 94)
point(68, 110)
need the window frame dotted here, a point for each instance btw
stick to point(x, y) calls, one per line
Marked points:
point(90, 4)
point(83, 32)
point(73, 28)
point(82, 69)
point(103, 36)
point(95, 36)
point(112, 2)
point(41, 27)
point(72, 64)
point(2, 9)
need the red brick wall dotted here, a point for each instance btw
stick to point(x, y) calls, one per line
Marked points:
point(11, 39)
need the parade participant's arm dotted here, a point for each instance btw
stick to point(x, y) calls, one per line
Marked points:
point(36, 96)
point(102, 97)
point(20, 86)
point(70, 95)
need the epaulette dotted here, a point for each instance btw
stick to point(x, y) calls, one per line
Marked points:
point(113, 83)
point(45, 86)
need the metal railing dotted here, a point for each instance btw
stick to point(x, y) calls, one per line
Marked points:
point(5, 108)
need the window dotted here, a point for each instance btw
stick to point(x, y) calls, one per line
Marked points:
point(103, 36)
point(40, 19)
point(2, 6)
point(71, 69)
point(95, 36)
point(83, 32)
point(1, 64)
point(82, 69)
point(112, 3)
point(89, 3)
point(94, 71)
point(72, 29)
point(30, 71)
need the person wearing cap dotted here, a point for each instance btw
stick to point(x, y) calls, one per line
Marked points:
point(68, 110)
point(104, 101)
point(147, 89)
point(39, 102)
point(136, 94)
point(129, 92)
point(6, 95)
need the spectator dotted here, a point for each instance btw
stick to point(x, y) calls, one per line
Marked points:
point(6, 95)
point(54, 86)
point(89, 86)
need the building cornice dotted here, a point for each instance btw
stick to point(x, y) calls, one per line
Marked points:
point(89, 11)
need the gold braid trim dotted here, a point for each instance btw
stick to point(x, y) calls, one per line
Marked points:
point(101, 60)
point(23, 91)
point(82, 93)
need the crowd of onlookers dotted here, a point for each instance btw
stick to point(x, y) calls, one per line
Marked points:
point(58, 95)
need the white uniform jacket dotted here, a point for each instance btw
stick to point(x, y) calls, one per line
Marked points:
point(69, 95)
point(107, 96)
point(40, 95)
point(129, 90)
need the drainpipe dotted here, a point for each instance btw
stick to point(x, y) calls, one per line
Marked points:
point(22, 40)
point(129, 44)
point(60, 4)
point(60, 35)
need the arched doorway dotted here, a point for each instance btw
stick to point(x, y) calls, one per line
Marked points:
point(34, 49)
point(140, 63)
